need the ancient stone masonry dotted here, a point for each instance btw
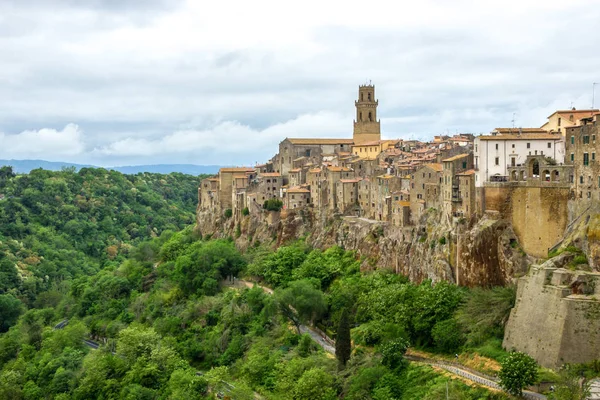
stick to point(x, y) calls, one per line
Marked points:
point(556, 319)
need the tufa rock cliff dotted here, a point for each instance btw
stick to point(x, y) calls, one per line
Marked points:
point(485, 253)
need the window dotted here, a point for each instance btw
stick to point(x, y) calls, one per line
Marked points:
point(274, 180)
point(586, 159)
point(430, 175)
point(572, 139)
point(572, 157)
point(268, 181)
point(293, 197)
point(586, 139)
point(571, 179)
point(549, 145)
point(528, 145)
point(497, 161)
point(559, 119)
point(464, 165)
point(513, 146)
point(475, 148)
point(581, 179)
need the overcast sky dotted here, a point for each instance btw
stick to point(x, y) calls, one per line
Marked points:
point(120, 82)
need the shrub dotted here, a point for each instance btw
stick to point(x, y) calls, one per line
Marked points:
point(447, 336)
point(273, 205)
point(228, 213)
point(245, 211)
point(442, 240)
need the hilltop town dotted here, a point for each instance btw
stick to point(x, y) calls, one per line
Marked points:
point(397, 181)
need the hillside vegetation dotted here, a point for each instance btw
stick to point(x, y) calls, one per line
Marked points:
point(57, 226)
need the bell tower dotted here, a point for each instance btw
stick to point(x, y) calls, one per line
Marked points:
point(366, 126)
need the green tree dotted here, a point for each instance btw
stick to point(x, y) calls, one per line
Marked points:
point(315, 384)
point(343, 342)
point(10, 309)
point(300, 302)
point(485, 312)
point(392, 354)
point(447, 336)
point(517, 371)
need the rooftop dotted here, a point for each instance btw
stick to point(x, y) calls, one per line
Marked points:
point(578, 112)
point(298, 189)
point(354, 180)
point(237, 169)
point(467, 172)
point(271, 174)
point(434, 166)
point(520, 130)
point(320, 141)
point(529, 136)
point(456, 157)
point(338, 169)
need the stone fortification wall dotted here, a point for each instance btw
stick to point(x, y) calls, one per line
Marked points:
point(538, 214)
point(556, 318)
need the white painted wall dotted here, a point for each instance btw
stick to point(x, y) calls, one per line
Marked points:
point(486, 152)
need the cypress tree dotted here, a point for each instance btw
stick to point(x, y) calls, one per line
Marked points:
point(343, 344)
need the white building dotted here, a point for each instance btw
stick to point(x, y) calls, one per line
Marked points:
point(506, 147)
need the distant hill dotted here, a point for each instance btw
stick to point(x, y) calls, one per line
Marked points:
point(25, 166)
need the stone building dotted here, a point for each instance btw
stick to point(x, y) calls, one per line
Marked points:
point(366, 198)
point(312, 150)
point(425, 189)
point(347, 195)
point(332, 176)
point(226, 184)
point(450, 189)
point(401, 213)
point(208, 193)
point(583, 150)
point(561, 120)
point(465, 205)
point(296, 197)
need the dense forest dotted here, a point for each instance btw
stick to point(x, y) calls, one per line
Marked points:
point(115, 258)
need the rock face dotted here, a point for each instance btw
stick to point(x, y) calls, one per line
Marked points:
point(556, 318)
point(481, 254)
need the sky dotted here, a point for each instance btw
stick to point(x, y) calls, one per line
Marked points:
point(126, 82)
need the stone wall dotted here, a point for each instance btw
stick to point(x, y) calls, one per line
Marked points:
point(538, 213)
point(556, 318)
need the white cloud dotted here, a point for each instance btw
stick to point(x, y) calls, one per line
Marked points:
point(48, 144)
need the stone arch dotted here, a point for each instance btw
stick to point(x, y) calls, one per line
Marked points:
point(360, 116)
point(555, 175)
point(370, 116)
point(546, 175)
point(514, 176)
point(521, 175)
point(534, 168)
